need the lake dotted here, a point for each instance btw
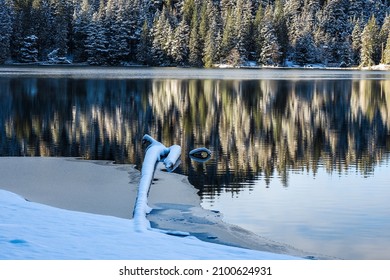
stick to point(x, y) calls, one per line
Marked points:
point(300, 157)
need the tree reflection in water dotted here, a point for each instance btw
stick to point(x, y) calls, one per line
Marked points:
point(254, 128)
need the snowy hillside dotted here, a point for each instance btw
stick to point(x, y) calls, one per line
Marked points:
point(334, 33)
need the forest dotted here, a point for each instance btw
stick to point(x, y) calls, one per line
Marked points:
point(196, 33)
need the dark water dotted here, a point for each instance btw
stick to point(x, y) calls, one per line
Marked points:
point(285, 142)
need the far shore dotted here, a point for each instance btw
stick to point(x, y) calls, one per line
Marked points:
point(291, 66)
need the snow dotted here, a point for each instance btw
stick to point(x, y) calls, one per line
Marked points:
point(93, 221)
point(155, 152)
point(35, 231)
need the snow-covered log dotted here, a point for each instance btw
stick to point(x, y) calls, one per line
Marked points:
point(155, 152)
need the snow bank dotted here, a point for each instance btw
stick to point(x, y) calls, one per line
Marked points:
point(34, 231)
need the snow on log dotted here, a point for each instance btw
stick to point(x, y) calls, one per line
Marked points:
point(155, 153)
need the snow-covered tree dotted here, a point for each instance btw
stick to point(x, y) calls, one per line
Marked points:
point(270, 49)
point(356, 42)
point(6, 21)
point(383, 36)
point(305, 49)
point(243, 17)
point(212, 36)
point(228, 35)
point(162, 39)
point(281, 29)
point(195, 52)
point(180, 43)
point(118, 32)
point(386, 53)
point(60, 33)
point(334, 28)
point(82, 17)
point(96, 42)
point(29, 49)
point(369, 50)
point(144, 45)
point(194, 32)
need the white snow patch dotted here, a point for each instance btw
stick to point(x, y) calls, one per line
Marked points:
point(34, 231)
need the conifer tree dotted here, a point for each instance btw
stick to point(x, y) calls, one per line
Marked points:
point(60, 33)
point(187, 11)
point(386, 54)
point(97, 43)
point(305, 50)
point(334, 27)
point(257, 27)
point(383, 36)
point(157, 51)
point(281, 29)
point(81, 18)
point(212, 42)
point(118, 32)
point(144, 45)
point(270, 50)
point(228, 36)
point(180, 43)
point(196, 32)
point(356, 43)
point(369, 50)
point(29, 49)
point(195, 52)
point(243, 17)
point(6, 21)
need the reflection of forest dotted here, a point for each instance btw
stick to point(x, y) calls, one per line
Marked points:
point(254, 128)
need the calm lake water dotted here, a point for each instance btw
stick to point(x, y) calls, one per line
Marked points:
point(299, 156)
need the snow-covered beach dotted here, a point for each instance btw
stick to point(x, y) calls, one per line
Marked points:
point(62, 208)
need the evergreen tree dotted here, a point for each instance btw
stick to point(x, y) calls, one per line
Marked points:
point(383, 36)
point(257, 27)
point(243, 16)
point(6, 21)
point(157, 54)
point(358, 10)
point(29, 49)
point(386, 54)
point(162, 39)
point(81, 19)
point(334, 29)
point(212, 42)
point(356, 43)
point(281, 30)
point(195, 32)
point(369, 50)
point(43, 13)
point(97, 43)
point(180, 43)
point(118, 33)
point(195, 52)
point(292, 12)
point(228, 36)
point(187, 11)
point(61, 16)
point(305, 50)
point(144, 45)
point(270, 50)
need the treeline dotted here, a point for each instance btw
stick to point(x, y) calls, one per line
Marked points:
point(196, 32)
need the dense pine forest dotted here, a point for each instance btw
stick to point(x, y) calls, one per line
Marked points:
point(200, 33)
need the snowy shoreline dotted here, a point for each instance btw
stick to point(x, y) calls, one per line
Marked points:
point(249, 65)
point(86, 216)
